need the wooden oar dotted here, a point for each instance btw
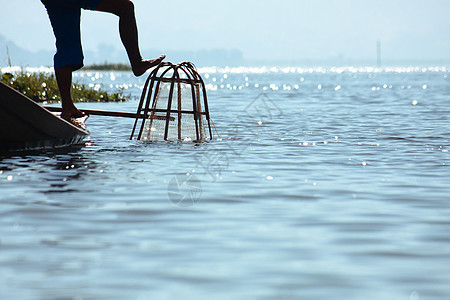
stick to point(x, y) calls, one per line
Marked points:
point(107, 113)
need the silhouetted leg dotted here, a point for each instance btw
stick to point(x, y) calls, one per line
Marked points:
point(64, 80)
point(124, 9)
point(65, 21)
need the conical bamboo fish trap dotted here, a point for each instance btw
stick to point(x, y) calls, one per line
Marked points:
point(173, 106)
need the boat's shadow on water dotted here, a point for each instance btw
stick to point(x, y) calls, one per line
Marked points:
point(40, 152)
point(58, 167)
point(67, 170)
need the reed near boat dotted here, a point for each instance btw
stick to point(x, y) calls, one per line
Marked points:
point(25, 125)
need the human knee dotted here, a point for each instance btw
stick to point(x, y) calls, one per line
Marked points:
point(127, 7)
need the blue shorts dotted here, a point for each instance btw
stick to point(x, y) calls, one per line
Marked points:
point(65, 16)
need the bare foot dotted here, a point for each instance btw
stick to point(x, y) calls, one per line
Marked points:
point(145, 64)
point(72, 112)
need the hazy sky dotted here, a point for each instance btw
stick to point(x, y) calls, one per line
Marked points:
point(261, 29)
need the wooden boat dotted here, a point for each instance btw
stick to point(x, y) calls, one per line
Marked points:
point(25, 125)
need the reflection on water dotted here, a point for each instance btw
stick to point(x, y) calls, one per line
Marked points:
point(327, 183)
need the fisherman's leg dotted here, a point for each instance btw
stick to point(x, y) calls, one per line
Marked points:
point(64, 80)
point(124, 9)
point(65, 19)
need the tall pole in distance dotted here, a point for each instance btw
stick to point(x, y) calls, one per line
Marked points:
point(379, 53)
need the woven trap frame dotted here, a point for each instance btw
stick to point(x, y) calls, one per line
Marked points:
point(173, 106)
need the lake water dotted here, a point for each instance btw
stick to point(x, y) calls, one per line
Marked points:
point(325, 184)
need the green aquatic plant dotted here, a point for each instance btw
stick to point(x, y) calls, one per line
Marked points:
point(42, 87)
point(108, 67)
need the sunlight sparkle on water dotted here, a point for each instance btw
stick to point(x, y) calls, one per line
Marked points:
point(311, 70)
point(260, 70)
